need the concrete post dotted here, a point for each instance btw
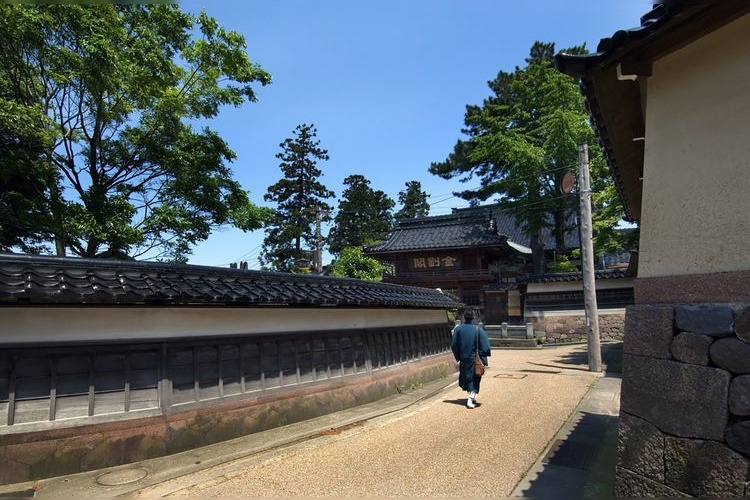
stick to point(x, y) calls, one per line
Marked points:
point(587, 257)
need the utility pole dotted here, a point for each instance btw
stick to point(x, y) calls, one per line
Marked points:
point(318, 243)
point(587, 259)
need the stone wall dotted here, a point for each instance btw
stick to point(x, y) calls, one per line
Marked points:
point(554, 328)
point(685, 401)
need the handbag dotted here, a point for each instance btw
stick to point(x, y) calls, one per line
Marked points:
point(478, 365)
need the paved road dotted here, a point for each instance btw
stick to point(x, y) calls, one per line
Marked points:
point(435, 448)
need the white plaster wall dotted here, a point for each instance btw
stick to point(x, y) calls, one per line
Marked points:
point(23, 325)
point(535, 316)
point(696, 186)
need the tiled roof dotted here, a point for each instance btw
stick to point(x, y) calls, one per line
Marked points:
point(465, 227)
point(32, 280)
point(608, 274)
point(615, 104)
point(579, 64)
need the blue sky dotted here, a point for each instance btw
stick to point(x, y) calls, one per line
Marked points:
point(385, 82)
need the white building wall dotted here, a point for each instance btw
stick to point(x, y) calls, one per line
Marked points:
point(696, 186)
point(24, 325)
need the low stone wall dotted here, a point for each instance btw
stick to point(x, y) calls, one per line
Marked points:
point(685, 401)
point(557, 328)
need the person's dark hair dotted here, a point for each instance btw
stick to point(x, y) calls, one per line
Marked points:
point(468, 315)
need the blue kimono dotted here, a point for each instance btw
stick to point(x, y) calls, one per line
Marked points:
point(464, 347)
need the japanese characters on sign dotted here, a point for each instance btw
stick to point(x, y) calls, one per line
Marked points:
point(435, 262)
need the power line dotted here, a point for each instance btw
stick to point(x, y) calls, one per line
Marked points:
point(249, 253)
point(438, 202)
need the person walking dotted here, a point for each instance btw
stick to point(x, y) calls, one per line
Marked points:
point(468, 339)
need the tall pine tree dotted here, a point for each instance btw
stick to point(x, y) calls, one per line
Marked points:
point(300, 199)
point(413, 202)
point(521, 142)
point(364, 216)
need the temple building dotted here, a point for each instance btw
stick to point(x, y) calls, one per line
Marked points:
point(477, 254)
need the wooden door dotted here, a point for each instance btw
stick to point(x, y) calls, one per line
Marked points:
point(495, 307)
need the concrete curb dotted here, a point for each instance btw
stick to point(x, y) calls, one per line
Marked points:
point(580, 460)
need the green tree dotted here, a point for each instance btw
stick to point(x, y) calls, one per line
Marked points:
point(521, 142)
point(413, 202)
point(300, 201)
point(24, 175)
point(116, 91)
point(353, 263)
point(607, 210)
point(364, 215)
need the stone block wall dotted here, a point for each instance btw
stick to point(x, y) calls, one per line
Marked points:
point(685, 401)
point(562, 328)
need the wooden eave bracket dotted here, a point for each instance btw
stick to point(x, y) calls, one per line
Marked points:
point(632, 70)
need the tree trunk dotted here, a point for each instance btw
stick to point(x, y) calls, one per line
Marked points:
point(559, 230)
point(537, 253)
point(56, 205)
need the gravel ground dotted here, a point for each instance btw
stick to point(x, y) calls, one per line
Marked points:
point(436, 448)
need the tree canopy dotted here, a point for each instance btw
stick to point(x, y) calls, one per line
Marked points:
point(363, 217)
point(353, 263)
point(520, 144)
point(413, 202)
point(98, 108)
point(291, 235)
point(25, 177)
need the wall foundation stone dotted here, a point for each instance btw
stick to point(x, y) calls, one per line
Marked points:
point(685, 399)
point(731, 354)
point(739, 396)
point(692, 348)
point(630, 484)
point(552, 328)
point(678, 398)
point(649, 331)
point(640, 447)
point(738, 437)
point(706, 319)
point(705, 468)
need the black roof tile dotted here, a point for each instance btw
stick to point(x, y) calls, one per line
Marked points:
point(465, 227)
point(575, 276)
point(578, 64)
point(37, 280)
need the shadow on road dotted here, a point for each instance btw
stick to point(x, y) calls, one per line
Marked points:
point(611, 358)
point(582, 462)
point(582, 465)
point(460, 402)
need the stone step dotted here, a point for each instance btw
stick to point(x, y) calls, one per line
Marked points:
point(511, 343)
point(510, 335)
point(505, 330)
